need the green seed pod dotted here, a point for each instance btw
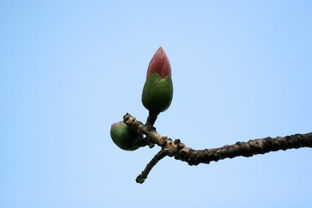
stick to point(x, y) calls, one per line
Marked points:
point(123, 136)
point(158, 88)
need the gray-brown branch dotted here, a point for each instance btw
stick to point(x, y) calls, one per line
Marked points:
point(181, 152)
point(160, 155)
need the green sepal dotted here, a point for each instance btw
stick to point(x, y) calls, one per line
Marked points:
point(157, 93)
point(123, 136)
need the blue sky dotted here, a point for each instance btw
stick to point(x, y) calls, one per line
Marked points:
point(69, 69)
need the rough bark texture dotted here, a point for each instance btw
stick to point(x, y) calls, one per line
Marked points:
point(181, 152)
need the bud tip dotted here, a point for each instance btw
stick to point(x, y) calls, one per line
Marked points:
point(159, 64)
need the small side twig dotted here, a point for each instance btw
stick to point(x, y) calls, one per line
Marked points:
point(160, 155)
point(181, 152)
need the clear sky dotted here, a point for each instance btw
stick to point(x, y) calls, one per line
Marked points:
point(69, 69)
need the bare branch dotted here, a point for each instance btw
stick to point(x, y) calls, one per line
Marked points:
point(160, 155)
point(195, 157)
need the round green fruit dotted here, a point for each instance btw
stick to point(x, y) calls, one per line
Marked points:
point(123, 136)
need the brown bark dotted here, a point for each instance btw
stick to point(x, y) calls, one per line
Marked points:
point(181, 152)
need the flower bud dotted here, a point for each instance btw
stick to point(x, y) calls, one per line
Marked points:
point(159, 64)
point(123, 136)
point(158, 88)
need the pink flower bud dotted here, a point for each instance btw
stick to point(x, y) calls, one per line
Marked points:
point(159, 64)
